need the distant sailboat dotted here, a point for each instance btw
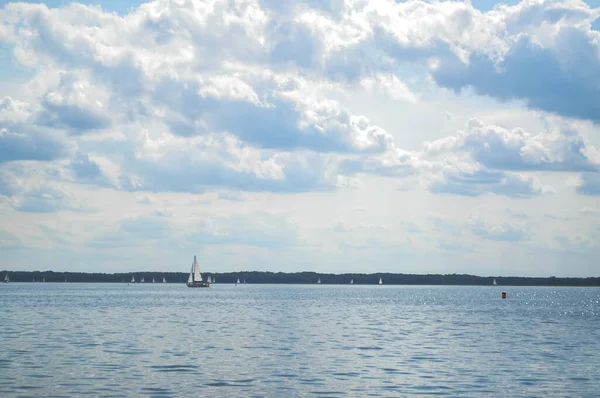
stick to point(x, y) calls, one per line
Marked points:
point(494, 283)
point(153, 281)
point(164, 280)
point(142, 280)
point(195, 278)
point(244, 280)
point(132, 279)
point(209, 279)
point(238, 281)
point(319, 281)
point(351, 281)
point(214, 280)
point(380, 281)
point(6, 279)
point(44, 279)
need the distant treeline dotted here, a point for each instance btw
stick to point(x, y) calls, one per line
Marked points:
point(299, 278)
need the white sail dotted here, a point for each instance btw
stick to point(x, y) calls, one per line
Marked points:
point(191, 276)
point(214, 280)
point(153, 281)
point(197, 275)
point(351, 281)
point(44, 279)
point(238, 280)
point(209, 280)
point(495, 284)
point(142, 280)
point(319, 281)
point(380, 281)
point(164, 280)
point(132, 279)
point(244, 280)
point(6, 278)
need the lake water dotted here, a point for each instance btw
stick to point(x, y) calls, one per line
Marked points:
point(291, 340)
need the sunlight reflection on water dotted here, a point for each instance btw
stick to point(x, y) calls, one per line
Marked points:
point(270, 340)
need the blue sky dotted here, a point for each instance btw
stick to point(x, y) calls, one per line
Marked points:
point(326, 135)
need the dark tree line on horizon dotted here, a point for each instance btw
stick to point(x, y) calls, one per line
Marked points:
point(300, 278)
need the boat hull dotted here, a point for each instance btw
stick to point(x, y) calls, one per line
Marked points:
point(198, 284)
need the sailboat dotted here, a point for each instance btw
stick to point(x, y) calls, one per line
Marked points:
point(164, 280)
point(238, 281)
point(214, 280)
point(195, 278)
point(380, 281)
point(142, 280)
point(153, 281)
point(44, 279)
point(244, 280)
point(209, 280)
point(494, 283)
point(6, 279)
point(351, 281)
point(319, 281)
point(132, 279)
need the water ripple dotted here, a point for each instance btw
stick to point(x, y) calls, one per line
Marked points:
point(255, 341)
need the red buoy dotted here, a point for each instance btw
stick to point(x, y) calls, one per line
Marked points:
point(503, 295)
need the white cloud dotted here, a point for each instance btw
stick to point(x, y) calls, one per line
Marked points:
point(224, 126)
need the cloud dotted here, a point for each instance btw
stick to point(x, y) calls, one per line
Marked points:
point(517, 150)
point(178, 165)
point(144, 227)
point(84, 167)
point(47, 199)
point(20, 140)
point(480, 182)
point(76, 105)
point(589, 184)
point(258, 229)
point(570, 63)
point(590, 211)
point(9, 240)
point(505, 231)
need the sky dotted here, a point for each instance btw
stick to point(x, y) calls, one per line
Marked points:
point(315, 135)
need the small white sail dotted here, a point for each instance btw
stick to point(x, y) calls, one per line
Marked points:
point(495, 284)
point(197, 275)
point(209, 279)
point(238, 280)
point(351, 281)
point(319, 281)
point(164, 280)
point(244, 280)
point(191, 276)
point(214, 280)
point(380, 281)
point(142, 280)
point(153, 281)
point(6, 278)
point(132, 279)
